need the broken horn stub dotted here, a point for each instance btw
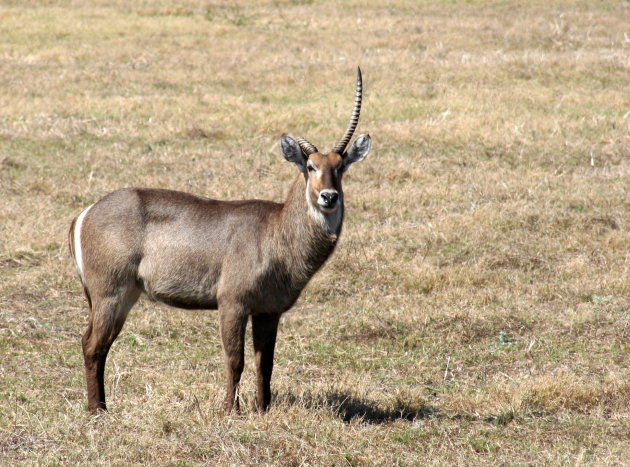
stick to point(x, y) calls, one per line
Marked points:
point(307, 148)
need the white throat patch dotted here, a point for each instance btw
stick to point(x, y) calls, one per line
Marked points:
point(329, 222)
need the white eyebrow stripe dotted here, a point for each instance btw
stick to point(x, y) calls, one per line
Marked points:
point(78, 253)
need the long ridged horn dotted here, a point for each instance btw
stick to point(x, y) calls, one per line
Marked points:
point(307, 148)
point(354, 118)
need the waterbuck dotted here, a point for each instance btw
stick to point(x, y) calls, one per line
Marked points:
point(245, 258)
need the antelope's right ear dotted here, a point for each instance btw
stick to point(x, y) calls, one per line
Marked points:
point(292, 152)
point(358, 151)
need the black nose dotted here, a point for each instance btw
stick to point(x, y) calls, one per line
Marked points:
point(330, 197)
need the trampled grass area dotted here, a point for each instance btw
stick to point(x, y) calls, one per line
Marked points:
point(476, 310)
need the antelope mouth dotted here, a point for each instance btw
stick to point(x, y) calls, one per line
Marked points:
point(328, 210)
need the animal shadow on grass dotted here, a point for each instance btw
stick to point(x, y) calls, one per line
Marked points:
point(349, 407)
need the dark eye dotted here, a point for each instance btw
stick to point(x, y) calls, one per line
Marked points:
point(310, 168)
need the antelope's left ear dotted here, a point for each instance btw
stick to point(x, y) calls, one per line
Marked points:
point(292, 152)
point(358, 151)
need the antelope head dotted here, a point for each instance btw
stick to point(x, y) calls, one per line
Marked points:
point(323, 172)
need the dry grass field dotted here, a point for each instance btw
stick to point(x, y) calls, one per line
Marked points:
point(477, 308)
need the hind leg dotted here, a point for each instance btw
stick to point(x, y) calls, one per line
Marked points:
point(107, 317)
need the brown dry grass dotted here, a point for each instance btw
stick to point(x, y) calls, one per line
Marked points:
point(476, 310)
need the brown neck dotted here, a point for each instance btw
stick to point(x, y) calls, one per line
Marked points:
point(304, 242)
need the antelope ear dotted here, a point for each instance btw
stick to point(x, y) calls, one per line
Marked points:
point(358, 151)
point(292, 152)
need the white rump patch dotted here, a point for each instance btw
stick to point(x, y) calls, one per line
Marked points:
point(76, 235)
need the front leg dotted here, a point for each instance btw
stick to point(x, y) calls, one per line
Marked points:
point(232, 323)
point(264, 330)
